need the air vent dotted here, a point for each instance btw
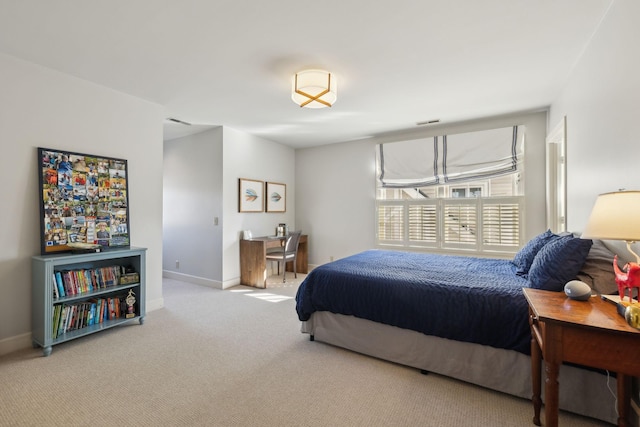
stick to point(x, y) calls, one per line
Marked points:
point(428, 122)
point(171, 119)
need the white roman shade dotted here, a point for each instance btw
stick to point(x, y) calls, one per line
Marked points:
point(451, 158)
point(409, 164)
point(478, 155)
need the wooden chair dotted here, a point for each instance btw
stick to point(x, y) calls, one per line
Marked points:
point(289, 252)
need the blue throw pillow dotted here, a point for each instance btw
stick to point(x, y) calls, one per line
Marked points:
point(558, 262)
point(523, 259)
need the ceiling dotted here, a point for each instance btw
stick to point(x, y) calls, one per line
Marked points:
point(230, 62)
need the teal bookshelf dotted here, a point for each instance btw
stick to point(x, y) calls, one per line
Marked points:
point(46, 319)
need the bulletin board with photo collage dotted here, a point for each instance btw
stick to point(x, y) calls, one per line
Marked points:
point(83, 200)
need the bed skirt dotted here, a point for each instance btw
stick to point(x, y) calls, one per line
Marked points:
point(582, 391)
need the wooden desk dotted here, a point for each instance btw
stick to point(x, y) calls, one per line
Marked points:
point(253, 262)
point(589, 333)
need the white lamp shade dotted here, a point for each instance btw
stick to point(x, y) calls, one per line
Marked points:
point(615, 216)
point(314, 89)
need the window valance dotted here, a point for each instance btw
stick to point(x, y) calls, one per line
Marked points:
point(451, 158)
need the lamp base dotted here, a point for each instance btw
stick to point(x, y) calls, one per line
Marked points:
point(632, 315)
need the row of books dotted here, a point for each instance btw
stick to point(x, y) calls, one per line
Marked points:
point(74, 282)
point(70, 317)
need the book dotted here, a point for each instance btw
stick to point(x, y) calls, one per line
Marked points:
point(92, 314)
point(59, 283)
point(56, 319)
point(68, 285)
point(112, 312)
point(55, 287)
point(116, 307)
point(101, 311)
point(64, 318)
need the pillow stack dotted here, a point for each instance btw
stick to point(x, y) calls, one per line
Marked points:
point(597, 270)
point(549, 260)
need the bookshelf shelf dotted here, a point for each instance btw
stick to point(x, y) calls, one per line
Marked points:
point(48, 323)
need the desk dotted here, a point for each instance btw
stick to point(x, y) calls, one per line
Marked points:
point(589, 333)
point(253, 264)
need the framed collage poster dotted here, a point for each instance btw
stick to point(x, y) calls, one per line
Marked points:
point(276, 197)
point(250, 195)
point(84, 201)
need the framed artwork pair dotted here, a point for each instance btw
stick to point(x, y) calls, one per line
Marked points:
point(258, 196)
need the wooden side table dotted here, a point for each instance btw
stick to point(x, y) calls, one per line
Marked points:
point(589, 333)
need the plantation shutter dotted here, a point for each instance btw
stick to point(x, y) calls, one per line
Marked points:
point(460, 223)
point(391, 222)
point(501, 223)
point(423, 223)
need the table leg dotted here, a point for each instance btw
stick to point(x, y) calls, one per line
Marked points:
point(624, 391)
point(536, 378)
point(551, 394)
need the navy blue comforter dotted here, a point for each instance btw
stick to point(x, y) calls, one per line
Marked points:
point(477, 300)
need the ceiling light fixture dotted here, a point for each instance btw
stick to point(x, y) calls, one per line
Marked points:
point(314, 89)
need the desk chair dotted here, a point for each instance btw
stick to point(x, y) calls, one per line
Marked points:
point(289, 252)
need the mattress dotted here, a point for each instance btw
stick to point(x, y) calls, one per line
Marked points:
point(475, 300)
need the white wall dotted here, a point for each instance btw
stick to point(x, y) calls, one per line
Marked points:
point(192, 200)
point(200, 183)
point(335, 186)
point(43, 108)
point(251, 157)
point(602, 104)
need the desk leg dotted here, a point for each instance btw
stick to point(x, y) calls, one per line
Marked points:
point(624, 391)
point(536, 358)
point(551, 405)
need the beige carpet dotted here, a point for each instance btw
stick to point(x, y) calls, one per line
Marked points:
point(235, 358)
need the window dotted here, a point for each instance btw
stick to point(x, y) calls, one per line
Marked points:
point(478, 214)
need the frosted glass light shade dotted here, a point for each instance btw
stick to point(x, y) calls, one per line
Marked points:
point(314, 89)
point(615, 216)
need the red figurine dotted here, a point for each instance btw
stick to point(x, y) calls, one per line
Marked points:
point(627, 278)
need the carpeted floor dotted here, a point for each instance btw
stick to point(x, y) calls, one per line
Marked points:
point(235, 358)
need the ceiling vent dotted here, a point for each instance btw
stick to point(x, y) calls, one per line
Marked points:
point(428, 122)
point(171, 119)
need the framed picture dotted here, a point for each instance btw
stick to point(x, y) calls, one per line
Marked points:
point(250, 195)
point(84, 200)
point(276, 197)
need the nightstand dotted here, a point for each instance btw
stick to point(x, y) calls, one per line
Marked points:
point(589, 333)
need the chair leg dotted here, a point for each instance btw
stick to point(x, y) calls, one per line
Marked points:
point(284, 266)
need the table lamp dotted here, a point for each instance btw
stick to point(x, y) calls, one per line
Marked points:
point(616, 216)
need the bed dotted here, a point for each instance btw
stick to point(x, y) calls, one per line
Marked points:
point(458, 316)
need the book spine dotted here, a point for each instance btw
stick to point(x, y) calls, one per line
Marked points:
point(64, 319)
point(56, 319)
point(55, 287)
point(60, 284)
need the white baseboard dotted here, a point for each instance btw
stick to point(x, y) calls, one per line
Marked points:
point(192, 279)
point(230, 283)
point(155, 304)
point(11, 344)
